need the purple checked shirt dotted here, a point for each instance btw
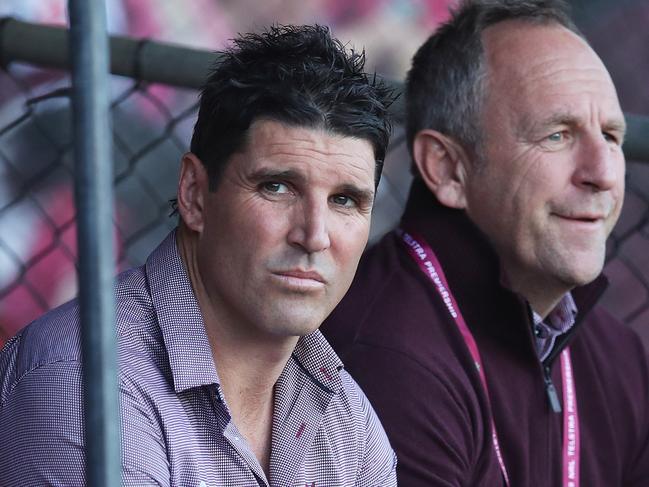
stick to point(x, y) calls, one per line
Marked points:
point(175, 424)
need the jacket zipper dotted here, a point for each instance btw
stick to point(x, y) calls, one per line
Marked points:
point(551, 390)
point(546, 367)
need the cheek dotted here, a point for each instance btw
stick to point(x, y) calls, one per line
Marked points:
point(261, 224)
point(356, 232)
point(349, 239)
point(489, 202)
point(621, 181)
point(528, 193)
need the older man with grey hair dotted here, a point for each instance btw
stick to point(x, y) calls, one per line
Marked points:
point(473, 328)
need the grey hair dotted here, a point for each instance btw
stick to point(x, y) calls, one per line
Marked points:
point(446, 84)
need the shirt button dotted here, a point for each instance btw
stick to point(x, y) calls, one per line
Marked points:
point(540, 332)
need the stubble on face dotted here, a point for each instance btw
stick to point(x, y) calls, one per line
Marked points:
point(285, 229)
point(552, 184)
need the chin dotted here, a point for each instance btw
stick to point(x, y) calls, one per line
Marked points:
point(581, 268)
point(305, 327)
point(292, 326)
point(582, 276)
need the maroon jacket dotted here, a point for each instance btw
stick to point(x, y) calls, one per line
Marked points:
point(394, 334)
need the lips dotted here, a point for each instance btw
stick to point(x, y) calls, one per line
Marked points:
point(313, 275)
point(598, 211)
point(301, 277)
point(587, 218)
point(582, 222)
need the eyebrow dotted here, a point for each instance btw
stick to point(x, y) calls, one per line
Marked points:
point(566, 118)
point(364, 196)
point(286, 175)
point(617, 125)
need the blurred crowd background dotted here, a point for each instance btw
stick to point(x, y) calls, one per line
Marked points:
point(152, 125)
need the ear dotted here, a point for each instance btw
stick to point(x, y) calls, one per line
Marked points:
point(192, 190)
point(442, 165)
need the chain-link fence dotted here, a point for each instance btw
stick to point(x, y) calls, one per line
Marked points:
point(152, 125)
point(37, 228)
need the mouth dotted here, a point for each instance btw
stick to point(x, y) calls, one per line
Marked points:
point(301, 279)
point(588, 219)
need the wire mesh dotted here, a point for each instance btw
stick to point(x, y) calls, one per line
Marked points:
point(37, 228)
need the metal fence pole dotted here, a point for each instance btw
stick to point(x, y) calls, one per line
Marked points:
point(94, 201)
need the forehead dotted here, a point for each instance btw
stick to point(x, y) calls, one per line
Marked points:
point(546, 68)
point(311, 150)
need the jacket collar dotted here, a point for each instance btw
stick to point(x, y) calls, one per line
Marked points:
point(473, 270)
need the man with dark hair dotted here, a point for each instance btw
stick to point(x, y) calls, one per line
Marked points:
point(224, 377)
point(473, 327)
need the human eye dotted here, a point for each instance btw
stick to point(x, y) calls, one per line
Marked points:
point(274, 187)
point(556, 137)
point(344, 201)
point(611, 137)
point(556, 140)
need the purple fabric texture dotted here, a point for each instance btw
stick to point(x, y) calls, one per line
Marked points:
point(175, 424)
point(397, 339)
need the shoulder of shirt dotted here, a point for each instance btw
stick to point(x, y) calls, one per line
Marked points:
point(55, 337)
point(355, 399)
point(366, 426)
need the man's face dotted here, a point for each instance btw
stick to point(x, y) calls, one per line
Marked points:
point(551, 183)
point(285, 228)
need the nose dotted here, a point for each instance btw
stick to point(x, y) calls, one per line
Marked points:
point(600, 164)
point(309, 227)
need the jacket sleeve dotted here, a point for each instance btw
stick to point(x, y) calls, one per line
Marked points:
point(438, 439)
point(41, 428)
point(637, 463)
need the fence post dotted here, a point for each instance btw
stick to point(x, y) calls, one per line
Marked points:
point(94, 202)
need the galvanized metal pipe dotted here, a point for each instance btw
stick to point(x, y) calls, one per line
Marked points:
point(94, 202)
point(48, 46)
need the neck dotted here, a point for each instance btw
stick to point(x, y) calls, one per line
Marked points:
point(256, 356)
point(248, 361)
point(542, 296)
point(543, 309)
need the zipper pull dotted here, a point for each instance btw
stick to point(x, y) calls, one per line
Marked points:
point(552, 391)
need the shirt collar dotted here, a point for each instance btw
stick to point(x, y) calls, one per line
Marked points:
point(180, 318)
point(185, 338)
point(561, 318)
point(318, 360)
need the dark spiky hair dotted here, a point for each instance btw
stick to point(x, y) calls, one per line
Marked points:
point(298, 75)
